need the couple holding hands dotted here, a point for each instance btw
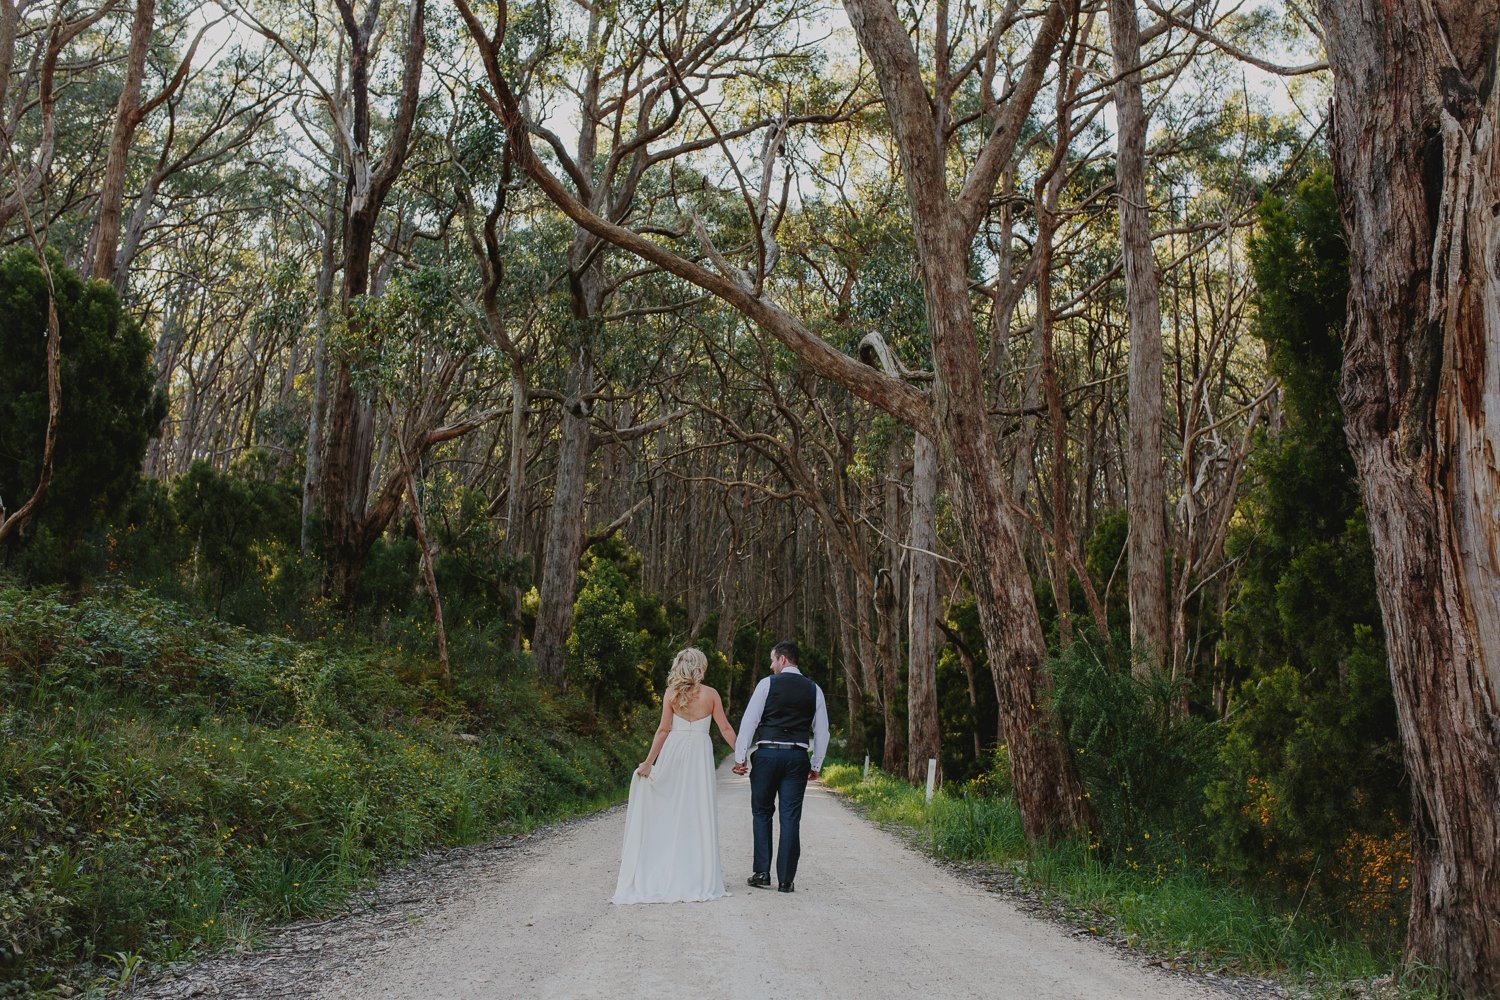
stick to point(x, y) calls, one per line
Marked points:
point(671, 848)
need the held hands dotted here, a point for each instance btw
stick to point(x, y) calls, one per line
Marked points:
point(743, 767)
point(644, 770)
point(812, 775)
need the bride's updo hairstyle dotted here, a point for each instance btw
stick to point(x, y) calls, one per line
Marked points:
point(687, 673)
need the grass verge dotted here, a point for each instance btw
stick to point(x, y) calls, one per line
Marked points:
point(1169, 906)
point(170, 784)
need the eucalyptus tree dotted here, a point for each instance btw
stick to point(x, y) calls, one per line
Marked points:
point(1417, 171)
point(339, 57)
point(131, 109)
point(213, 119)
point(1146, 495)
point(33, 37)
point(633, 71)
point(931, 140)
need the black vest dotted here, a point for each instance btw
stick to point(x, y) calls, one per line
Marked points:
point(790, 706)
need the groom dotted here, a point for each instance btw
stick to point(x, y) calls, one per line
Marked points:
point(786, 727)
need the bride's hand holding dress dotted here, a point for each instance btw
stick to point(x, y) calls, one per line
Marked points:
point(671, 845)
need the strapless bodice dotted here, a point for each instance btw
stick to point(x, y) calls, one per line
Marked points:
point(681, 725)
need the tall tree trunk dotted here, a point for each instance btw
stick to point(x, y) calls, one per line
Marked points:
point(317, 413)
point(922, 726)
point(105, 240)
point(1048, 792)
point(427, 563)
point(135, 231)
point(838, 576)
point(1023, 465)
point(1062, 534)
point(1145, 499)
point(1417, 164)
point(865, 635)
point(565, 528)
point(515, 497)
point(888, 594)
point(350, 430)
point(348, 452)
point(893, 751)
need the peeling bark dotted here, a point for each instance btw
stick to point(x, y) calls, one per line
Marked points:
point(1417, 166)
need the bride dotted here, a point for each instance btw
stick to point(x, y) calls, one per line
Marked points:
point(671, 851)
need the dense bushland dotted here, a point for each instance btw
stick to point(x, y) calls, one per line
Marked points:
point(1277, 784)
point(169, 782)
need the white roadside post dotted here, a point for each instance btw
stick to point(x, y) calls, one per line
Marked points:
point(867, 767)
point(931, 776)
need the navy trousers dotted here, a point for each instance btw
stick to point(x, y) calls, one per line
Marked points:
point(778, 773)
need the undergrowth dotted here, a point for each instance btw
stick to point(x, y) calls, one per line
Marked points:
point(170, 784)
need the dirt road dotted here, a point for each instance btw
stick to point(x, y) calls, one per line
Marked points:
point(870, 919)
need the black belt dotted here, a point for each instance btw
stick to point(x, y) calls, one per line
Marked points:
point(769, 743)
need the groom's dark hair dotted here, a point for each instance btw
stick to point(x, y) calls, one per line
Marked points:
point(787, 648)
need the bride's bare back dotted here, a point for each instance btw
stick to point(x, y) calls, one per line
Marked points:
point(703, 702)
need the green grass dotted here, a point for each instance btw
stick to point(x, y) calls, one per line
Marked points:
point(170, 785)
point(1165, 905)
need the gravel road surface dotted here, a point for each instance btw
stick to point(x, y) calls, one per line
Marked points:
point(871, 918)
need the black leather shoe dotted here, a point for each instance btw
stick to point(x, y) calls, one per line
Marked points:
point(760, 880)
point(784, 887)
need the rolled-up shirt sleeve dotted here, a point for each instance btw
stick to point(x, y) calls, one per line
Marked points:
point(820, 733)
point(750, 721)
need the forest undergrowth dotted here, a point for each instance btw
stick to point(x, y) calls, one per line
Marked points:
point(171, 784)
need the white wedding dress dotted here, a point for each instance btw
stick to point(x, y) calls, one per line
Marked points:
point(671, 852)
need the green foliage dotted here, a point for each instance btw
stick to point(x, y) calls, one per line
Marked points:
point(1173, 907)
point(146, 535)
point(169, 783)
point(109, 404)
point(388, 583)
point(1301, 267)
point(1108, 564)
point(389, 336)
point(1313, 798)
point(229, 540)
point(961, 718)
point(1143, 763)
point(228, 522)
point(607, 647)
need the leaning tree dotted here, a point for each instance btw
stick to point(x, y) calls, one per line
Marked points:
point(944, 222)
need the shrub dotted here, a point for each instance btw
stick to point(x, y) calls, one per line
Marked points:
point(228, 523)
point(1143, 763)
point(607, 656)
point(1312, 760)
point(109, 404)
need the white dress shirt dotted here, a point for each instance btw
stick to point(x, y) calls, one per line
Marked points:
point(750, 722)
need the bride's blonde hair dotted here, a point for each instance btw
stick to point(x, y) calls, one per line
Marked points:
point(687, 673)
